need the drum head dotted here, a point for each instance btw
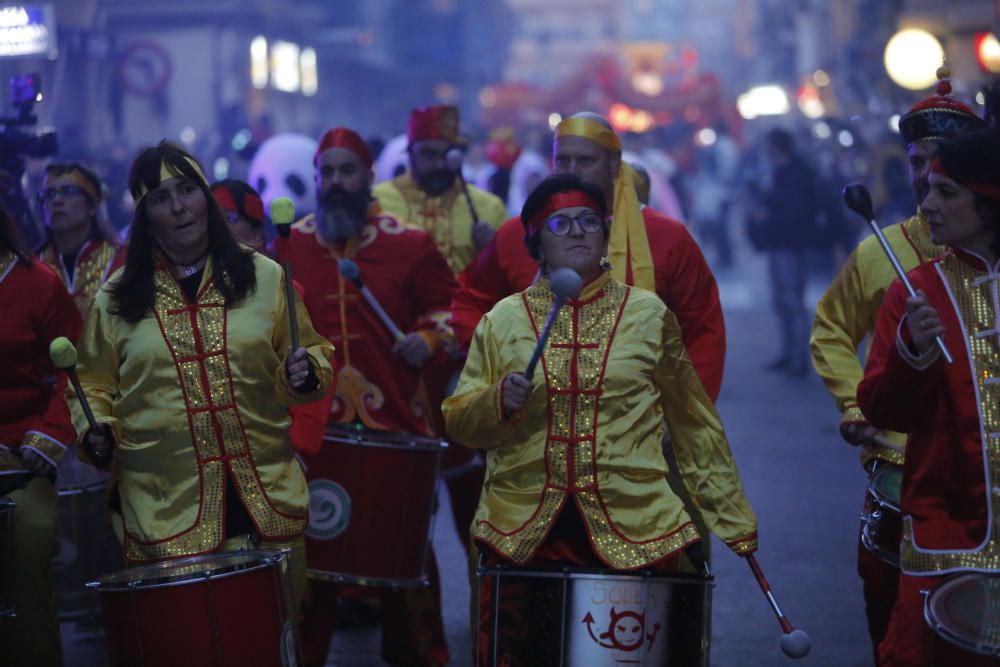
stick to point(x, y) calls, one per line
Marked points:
point(965, 610)
point(183, 570)
point(887, 485)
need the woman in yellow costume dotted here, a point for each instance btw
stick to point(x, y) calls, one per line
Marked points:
point(187, 363)
point(575, 471)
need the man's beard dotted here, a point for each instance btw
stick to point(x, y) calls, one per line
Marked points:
point(435, 182)
point(340, 214)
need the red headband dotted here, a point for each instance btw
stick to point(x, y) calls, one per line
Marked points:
point(988, 190)
point(342, 137)
point(557, 202)
point(253, 207)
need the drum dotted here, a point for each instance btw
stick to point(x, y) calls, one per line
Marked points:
point(220, 610)
point(963, 621)
point(372, 499)
point(6, 556)
point(881, 522)
point(595, 618)
point(85, 544)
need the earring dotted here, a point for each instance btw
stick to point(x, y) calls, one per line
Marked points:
point(605, 264)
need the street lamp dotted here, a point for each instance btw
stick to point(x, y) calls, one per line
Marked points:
point(912, 57)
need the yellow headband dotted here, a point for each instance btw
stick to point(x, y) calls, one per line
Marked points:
point(166, 174)
point(589, 129)
point(79, 180)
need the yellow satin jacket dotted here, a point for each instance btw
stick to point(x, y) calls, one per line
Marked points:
point(614, 368)
point(847, 312)
point(194, 390)
point(446, 217)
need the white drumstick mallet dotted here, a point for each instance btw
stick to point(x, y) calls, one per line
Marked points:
point(858, 199)
point(63, 356)
point(794, 643)
point(350, 270)
point(565, 284)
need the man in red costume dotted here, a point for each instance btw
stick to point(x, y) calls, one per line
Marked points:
point(646, 249)
point(378, 377)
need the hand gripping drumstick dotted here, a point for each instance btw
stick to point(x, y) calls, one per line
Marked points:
point(350, 270)
point(794, 643)
point(282, 212)
point(565, 284)
point(454, 159)
point(858, 199)
point(63, 355)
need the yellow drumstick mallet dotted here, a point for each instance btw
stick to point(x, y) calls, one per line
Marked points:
point(63, 355)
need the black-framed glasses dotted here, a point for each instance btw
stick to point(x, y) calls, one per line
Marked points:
point(589, 222)
point(64, 191)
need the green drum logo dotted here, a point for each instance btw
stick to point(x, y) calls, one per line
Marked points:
point(329, 509)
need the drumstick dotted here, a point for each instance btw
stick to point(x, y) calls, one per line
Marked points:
point(350, 270)
point(282, 212)
point(858, 199)
point(454, 159)
point(794, 643)
point(63, 355)
point(565, 284)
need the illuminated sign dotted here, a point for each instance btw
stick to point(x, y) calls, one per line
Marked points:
point(27, 30)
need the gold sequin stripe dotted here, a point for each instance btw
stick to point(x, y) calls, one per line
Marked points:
point(917, 234)
point(520, 544)
point(975, 301)
point(271, 522)
point(90, 272)
point(744, 546)
point(431, 209)
point(618, 551)
point(50, 449)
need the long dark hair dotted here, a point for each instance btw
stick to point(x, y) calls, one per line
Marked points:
point(10, 237)
point(233, 271)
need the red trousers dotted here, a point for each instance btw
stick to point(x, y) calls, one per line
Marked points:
point(880, 582)
point(412, 626)
point(909, 642)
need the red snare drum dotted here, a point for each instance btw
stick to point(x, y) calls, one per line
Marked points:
point(6, 556)
point(963, 619)
point(372, 498)
point(220, 610)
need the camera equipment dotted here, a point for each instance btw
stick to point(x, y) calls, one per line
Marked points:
point(19, 140)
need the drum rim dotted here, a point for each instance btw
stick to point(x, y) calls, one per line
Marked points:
point(388, 439)
point(7, 504)
point(889, 557)
point(942, 631)
point(81, 489)
point(265, 558)
point(361, 580)
point(582, 573)
point(880, 472)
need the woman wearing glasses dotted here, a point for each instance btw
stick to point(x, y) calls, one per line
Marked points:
point(575, 471)
point(82, 247)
